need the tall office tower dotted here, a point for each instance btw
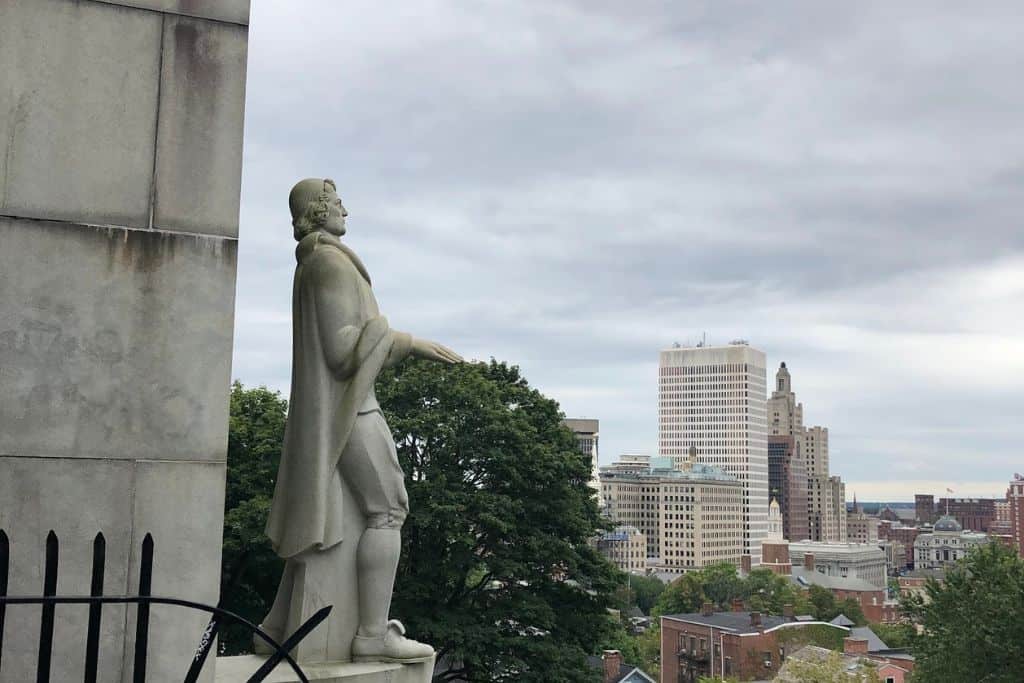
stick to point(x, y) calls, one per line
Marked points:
point(586, 432)
point(786, 418)
point(787, 483)
point(713, 398)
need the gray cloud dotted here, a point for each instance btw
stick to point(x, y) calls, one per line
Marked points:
point(572, 186)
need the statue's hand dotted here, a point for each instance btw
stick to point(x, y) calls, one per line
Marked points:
point(428, 350)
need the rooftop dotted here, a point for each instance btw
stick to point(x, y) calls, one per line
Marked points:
point(804, 577)
point(737, 622)
point(628, 673)
point(697, 472)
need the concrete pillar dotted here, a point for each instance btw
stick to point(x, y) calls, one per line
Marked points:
point(120, 169)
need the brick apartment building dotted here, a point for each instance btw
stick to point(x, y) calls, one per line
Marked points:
point(973, 514)
point(739, 644)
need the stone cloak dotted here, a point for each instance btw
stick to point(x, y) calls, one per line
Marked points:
point(340, 342)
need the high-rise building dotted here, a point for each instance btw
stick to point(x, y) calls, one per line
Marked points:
point(586, 431)
point(835, 514)
point(787, 483)
point(1015, 496)
point(690, 516)
point(713, 398)
point(825, 511)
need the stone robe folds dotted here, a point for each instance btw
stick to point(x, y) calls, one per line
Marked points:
point(339, 344)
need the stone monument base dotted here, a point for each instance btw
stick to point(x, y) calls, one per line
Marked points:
point(239, 669)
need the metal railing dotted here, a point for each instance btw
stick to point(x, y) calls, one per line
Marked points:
point(96, 600)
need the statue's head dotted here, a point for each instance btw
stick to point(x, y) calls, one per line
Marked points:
point(315, 205)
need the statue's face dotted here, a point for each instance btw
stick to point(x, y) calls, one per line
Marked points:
point(335, 223)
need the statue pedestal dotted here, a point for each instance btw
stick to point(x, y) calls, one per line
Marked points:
point(239, 669)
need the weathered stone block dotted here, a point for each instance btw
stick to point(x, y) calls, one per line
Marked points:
point(238, 670)
point(235, 11)
point(114, 343)
point(181, 505)
point(199, 139)
point(76, 499)
point(78, 111)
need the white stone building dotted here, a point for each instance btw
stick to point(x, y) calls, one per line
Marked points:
point(946, 544)
point(587, 435)
point(690, 518)
point(713, 398)
point(845, 560)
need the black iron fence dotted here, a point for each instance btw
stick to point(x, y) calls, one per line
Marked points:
point(96, 600)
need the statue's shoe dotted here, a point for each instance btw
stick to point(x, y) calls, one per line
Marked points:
point(393, 646)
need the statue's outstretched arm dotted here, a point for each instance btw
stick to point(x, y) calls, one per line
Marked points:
point(428, 350)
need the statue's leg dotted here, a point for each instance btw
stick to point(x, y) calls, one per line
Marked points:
point(370, 466)
point(378, 483)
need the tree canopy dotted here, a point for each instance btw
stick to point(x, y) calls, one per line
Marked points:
point(973, 622)
point(720, 584)
point(250, 571)
point(496, 571)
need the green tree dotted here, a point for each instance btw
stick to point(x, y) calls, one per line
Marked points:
point(647, 590)
point(639, 591)
point(823, 603)
point(895, 635)
point(649, 645)
point(682, 596)
point(250, 569)
point(769, 592)
point(722, 583)
point(850, 607)
point(619, 639)
point(496, 570)
point(973, 622)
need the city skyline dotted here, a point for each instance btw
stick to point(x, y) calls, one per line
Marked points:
point(572, 188)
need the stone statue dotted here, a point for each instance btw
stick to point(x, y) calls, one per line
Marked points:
point(337, 442)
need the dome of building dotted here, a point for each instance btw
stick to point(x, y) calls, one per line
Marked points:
point(947, 523)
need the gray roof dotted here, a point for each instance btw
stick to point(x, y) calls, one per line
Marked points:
point(874, 642)
point(627, 672)
point(804, 577)
point(842, 620)
point(738, 622)
point(938, 574)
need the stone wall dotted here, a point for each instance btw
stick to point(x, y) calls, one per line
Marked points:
point(120, 170)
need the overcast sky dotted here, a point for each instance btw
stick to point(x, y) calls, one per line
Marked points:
point(572, 186)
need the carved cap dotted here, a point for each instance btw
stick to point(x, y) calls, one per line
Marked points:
point(306, 191)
